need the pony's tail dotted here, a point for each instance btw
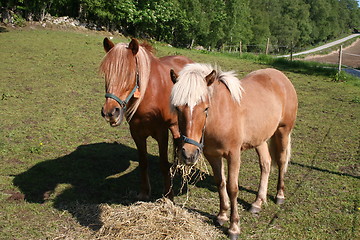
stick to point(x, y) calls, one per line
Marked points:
point(275, 155)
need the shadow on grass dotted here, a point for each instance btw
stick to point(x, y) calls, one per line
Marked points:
point(95, 174)
point(91, 175)
point(325, 170)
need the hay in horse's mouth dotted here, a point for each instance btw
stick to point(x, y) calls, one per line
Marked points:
point(190, 174)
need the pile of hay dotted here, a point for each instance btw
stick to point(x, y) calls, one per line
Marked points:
point(154, 220)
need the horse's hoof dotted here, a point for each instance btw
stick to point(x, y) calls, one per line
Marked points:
point(280, 201)
point(221, 221)
point(233, 236)
point(255, 210)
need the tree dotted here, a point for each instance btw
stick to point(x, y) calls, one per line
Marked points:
point(238, 25)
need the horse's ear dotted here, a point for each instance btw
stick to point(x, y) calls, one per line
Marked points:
point(173, 76)
point(108, 44)
point(134, 46)
point(210, 78)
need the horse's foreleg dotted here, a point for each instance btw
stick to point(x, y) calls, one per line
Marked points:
point(145, 188)
point(234, 162)
point(265, 164)
point(174, 129)
point(162, 140)
point(220, 181)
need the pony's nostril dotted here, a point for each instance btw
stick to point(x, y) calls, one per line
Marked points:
point(183, 152)
point(197, 152)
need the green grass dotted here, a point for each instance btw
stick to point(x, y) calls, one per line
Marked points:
point(60, 160)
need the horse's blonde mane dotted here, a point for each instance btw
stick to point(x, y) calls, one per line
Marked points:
point(191, 87)
point(119, 70)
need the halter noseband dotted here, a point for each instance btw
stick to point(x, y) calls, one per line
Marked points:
point(193, 142)
point(125, 102)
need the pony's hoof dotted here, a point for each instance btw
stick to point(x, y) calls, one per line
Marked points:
point(233, 236)
point(280, 201)
point(255, 210)
point(221, 221)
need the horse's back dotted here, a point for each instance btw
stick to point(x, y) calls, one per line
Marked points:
point(175, 62)
point(274, 84)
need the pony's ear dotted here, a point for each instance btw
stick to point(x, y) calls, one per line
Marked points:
point(134, 46)
point(210, 78)
point(173, 76)
point(108, 44)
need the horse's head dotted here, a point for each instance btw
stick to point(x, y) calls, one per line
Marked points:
point(121, 79)
point(190, 99)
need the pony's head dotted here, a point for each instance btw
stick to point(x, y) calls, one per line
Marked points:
point(126, 71)
point(191, 98)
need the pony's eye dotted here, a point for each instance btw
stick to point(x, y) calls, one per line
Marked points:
point(206, 109)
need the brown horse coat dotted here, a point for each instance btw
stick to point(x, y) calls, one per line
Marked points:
point(148, 109)
point(230, 116)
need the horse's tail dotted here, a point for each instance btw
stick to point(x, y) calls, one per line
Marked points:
point(275, 154)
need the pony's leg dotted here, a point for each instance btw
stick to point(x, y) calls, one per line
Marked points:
point(265, 164)
point(220, 181)
point(281, 150)
point(145, 188)
point(234, 162)
point(174, 129)
point(162, 139)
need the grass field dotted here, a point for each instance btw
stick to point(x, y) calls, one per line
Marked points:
point(60, 161)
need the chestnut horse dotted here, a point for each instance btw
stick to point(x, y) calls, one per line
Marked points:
point(138, 86)
point(224, 116)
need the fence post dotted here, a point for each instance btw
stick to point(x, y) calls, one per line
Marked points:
point(340, 58)
point(192, 43)
point(291, 51)
point(240, 48)
point(267, 46)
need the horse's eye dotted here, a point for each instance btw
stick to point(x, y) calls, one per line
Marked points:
point(206, 109)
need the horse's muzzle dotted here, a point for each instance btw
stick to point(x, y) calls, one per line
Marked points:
point(190, 156)
point(114, 116)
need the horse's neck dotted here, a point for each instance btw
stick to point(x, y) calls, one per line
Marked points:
point(221, 104)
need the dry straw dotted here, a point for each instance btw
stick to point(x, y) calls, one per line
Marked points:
point(158, 220)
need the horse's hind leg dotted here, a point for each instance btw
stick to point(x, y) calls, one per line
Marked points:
point(280, 151)
point(265, 164)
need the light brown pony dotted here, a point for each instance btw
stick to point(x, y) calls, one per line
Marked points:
point(138, 86)
point(226, 116)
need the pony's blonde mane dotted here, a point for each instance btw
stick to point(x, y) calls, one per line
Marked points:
point(191, 87)
point(119, 70)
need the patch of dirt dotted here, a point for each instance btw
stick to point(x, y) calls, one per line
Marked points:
point(14, 196)
point(350, 57)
